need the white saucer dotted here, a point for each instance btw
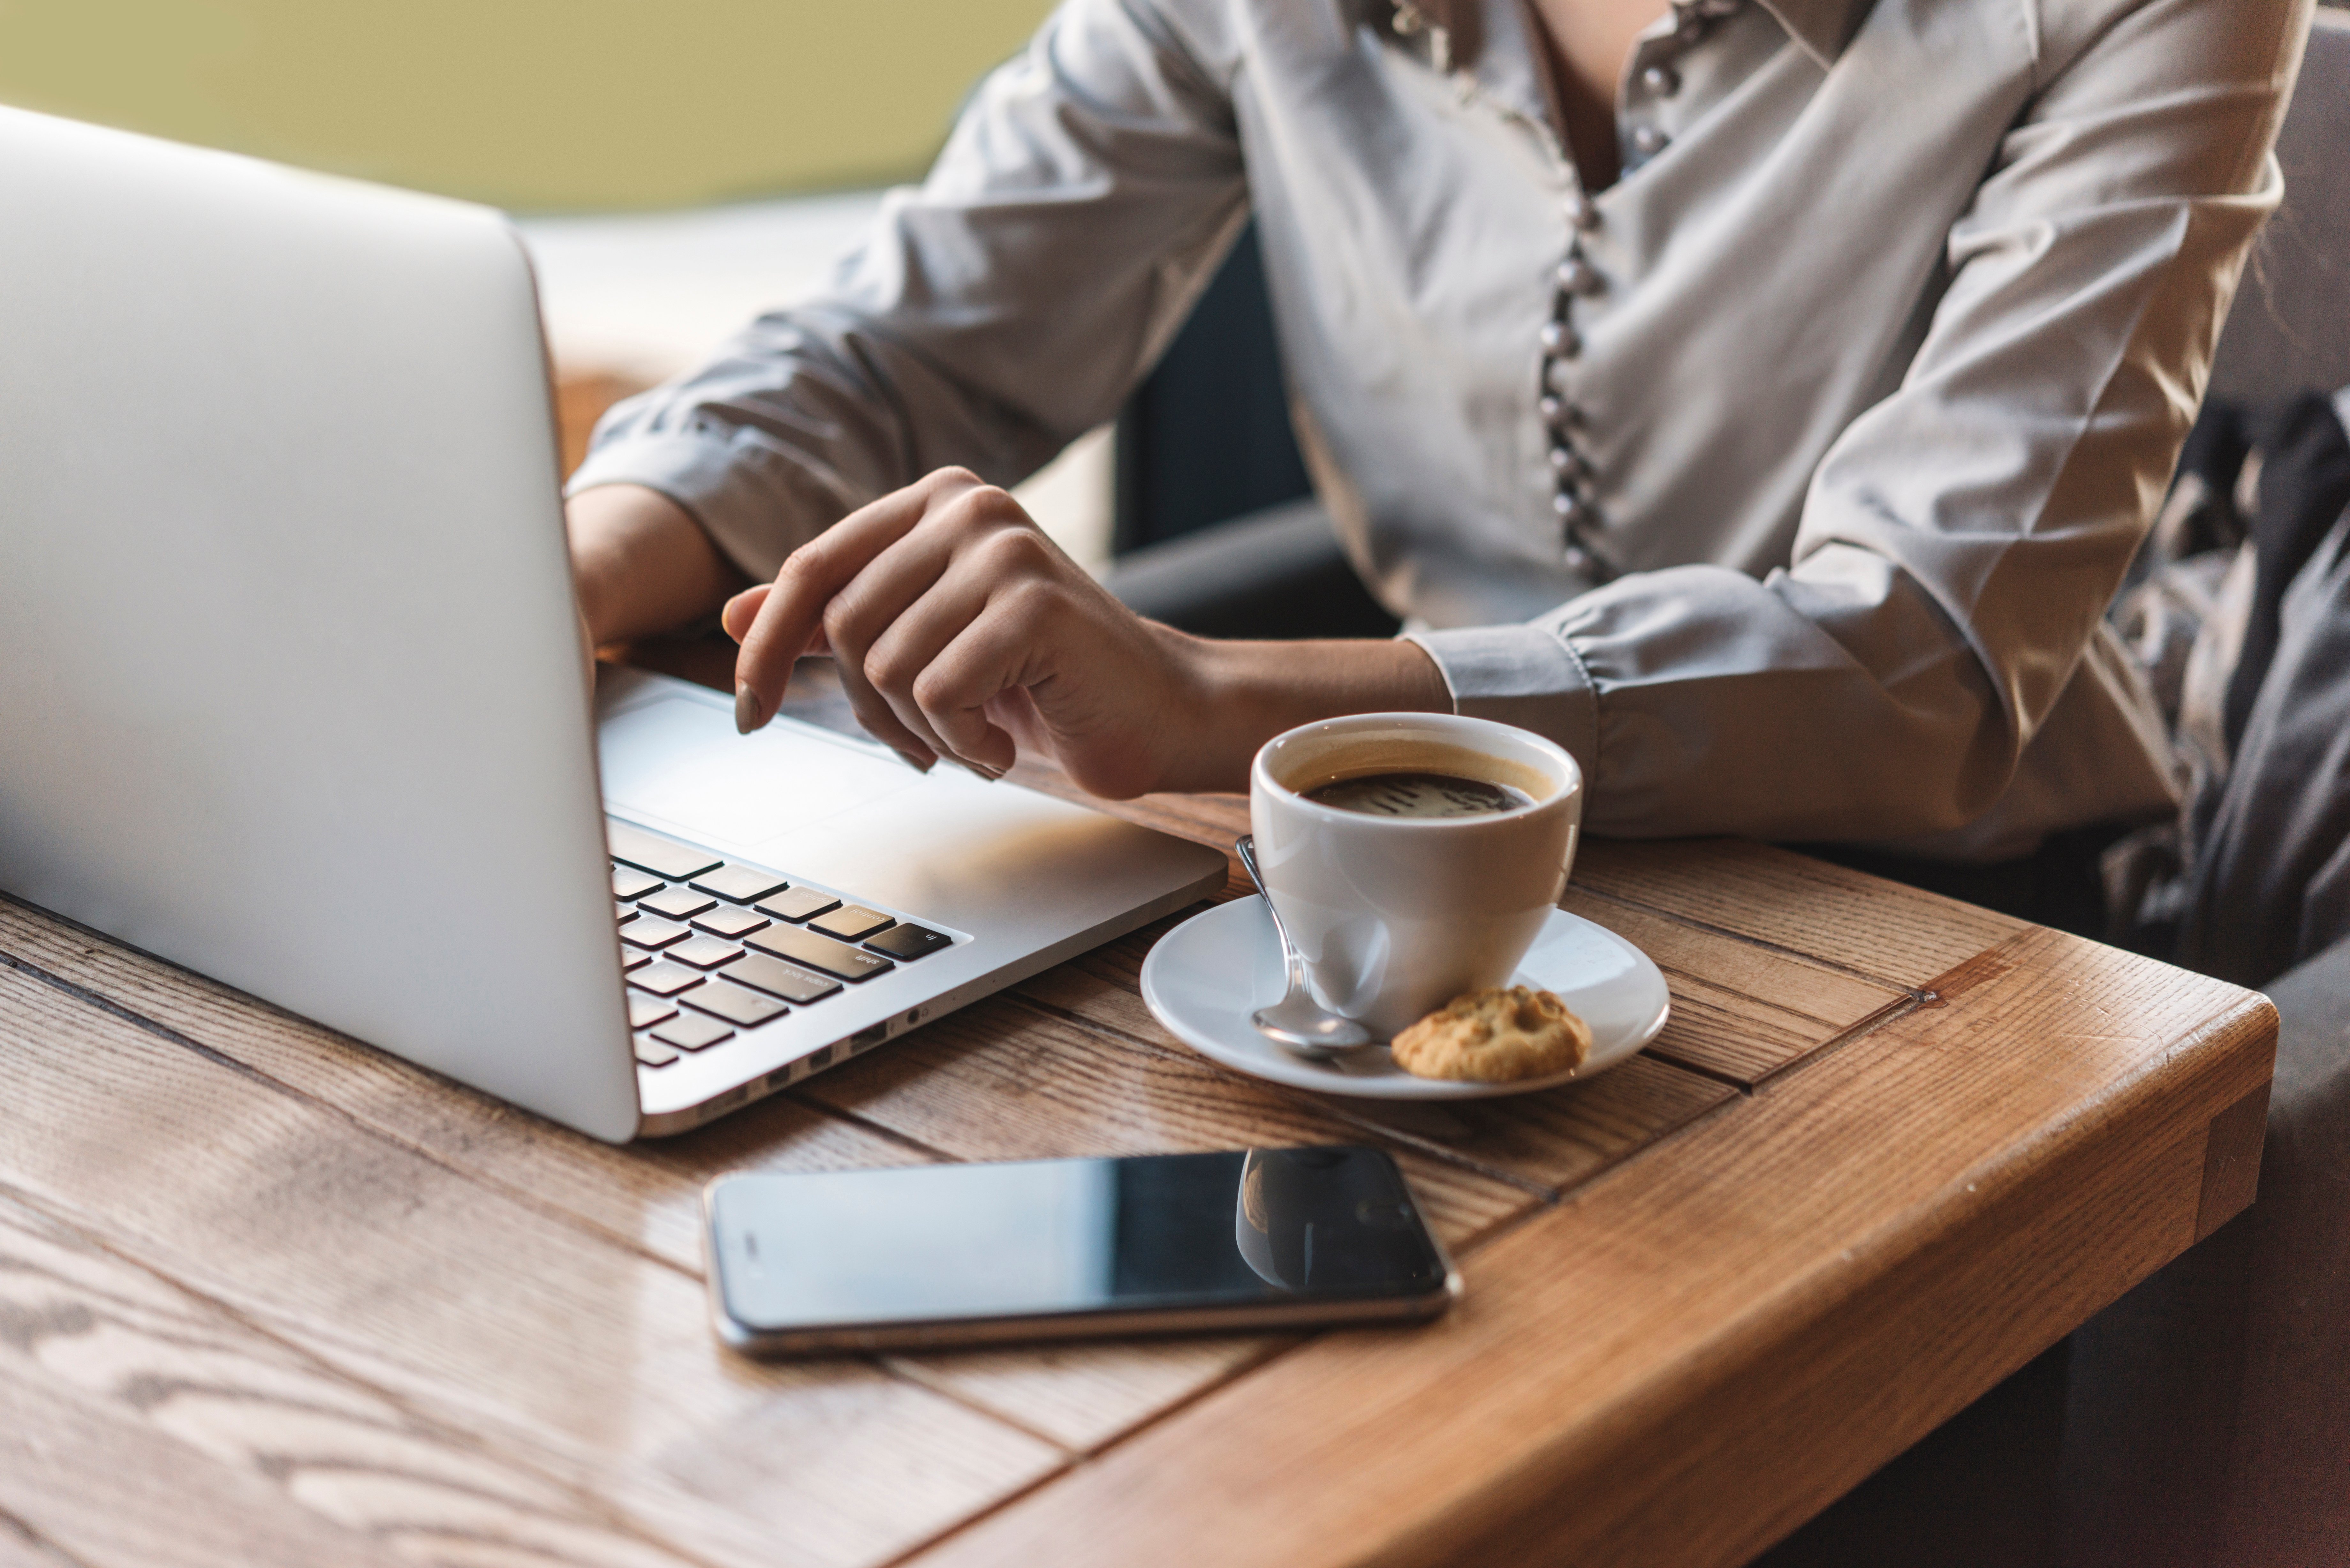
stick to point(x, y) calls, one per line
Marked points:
point(1206, 975)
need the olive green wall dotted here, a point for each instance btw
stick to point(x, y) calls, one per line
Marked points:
point(544, 105)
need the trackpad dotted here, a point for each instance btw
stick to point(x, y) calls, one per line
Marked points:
point(679, 764)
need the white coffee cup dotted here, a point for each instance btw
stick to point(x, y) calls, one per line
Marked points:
point(1397, 915)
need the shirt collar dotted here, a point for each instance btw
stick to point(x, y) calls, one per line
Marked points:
point(1822, 27)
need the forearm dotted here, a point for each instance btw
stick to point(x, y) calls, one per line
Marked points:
point(641, 563)
point(1244, 693)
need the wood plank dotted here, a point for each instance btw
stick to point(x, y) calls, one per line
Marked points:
point(204, 1395)
point(648, 1194)
point(980, 1085)
point(1873, 928)
point(1561, 1137)
point(1549, 1141)
point(575, 1356)
point(1779, 980)
point(1689, 1357)
point(83, 1487)
point(1087, 1395)
point(1716, 1028)
point(1719, 1030)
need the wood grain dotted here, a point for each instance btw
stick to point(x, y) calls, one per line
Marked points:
point(647, 1195)
point(1871, 929)
point(974, 1086)
point(1779, 980)
point(580, 1359)
point(1085, 1395)
point(84, 1488)
point(371, 1316)
point(1547, 1141)
point(1689, 1356)
point(123, 1348)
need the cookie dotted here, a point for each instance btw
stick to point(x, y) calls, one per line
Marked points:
point(1495, 1036)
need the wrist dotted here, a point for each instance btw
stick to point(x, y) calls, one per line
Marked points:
point(1241, 694)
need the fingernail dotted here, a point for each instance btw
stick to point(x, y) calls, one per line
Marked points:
point(914, 762)
point(746, 709)
point(980, 770)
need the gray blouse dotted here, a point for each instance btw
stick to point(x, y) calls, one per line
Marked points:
point(1784, 482)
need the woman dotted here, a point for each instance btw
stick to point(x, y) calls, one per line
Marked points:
point(1762, 397)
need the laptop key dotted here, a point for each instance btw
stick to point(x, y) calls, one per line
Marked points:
point(653, 1053)
point(788, 981)
point(631, 960)
point(665, 979)
point(726, 921)
point(746, 1008)
point(703, 950)
point(645, 932)
point(819, 952)
point(692, 1031)
point(628, 882)
point(740, 884)
point(677, 903)
point(798, 904)
point(902, 943)
point(622, 914)
point(675, 862)
point(852, 923)
point(644, 1011)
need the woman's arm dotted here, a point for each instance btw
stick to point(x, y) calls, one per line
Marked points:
point(992, 315)
point(961, 631)
point(1961, 538)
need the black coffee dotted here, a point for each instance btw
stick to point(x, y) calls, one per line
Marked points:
point(1418, 794)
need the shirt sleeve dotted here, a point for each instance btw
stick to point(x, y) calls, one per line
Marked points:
point(995, 313)
point(1961, 540)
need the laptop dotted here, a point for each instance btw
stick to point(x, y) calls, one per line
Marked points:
point(293, 689)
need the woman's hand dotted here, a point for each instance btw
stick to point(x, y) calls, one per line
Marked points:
point(961, 631)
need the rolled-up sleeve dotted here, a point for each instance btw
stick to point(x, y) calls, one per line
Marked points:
point(1963, 536)
point(999, 310)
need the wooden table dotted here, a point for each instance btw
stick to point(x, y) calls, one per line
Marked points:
point(269, 1297)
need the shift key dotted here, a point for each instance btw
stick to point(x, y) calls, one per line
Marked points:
point(817, 952)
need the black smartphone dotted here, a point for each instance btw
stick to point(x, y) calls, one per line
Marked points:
point(973, 1254)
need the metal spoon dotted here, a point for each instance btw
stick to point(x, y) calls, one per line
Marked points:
point(1297, 1022)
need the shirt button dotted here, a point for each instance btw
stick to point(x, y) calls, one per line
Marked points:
point(1576, 277)
point(1556, 412)
point(1578, 559)
point(1559, 338)
point(1660, 81)
point(1648, 140)
point(1564, 464)
point(1580, 212)
point(1567, 504)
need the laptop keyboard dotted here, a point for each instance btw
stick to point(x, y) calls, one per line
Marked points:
point(713, 948)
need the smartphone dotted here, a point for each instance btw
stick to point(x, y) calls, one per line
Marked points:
point(1056, 1248)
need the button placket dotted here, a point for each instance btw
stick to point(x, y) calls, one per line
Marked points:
point(1572, 491)
point(1658, 80)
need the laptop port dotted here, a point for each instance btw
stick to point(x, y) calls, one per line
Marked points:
point(865, 1039)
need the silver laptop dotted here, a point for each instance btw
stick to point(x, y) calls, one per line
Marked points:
point(292, 689)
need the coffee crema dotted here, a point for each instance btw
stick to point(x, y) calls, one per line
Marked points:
point(1421, 795)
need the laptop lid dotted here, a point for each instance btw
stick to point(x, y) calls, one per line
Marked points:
point(278, 485)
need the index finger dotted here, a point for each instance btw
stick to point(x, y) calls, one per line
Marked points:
point(787, 623)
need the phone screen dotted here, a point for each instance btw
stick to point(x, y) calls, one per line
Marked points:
point(1045, 1239)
